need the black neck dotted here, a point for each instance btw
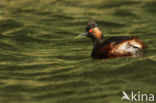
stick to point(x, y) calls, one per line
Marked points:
point(96, 42)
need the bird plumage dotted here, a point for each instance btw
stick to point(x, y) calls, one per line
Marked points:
point(114, 46)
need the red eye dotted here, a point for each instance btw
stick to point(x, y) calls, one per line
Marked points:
point(90, 30)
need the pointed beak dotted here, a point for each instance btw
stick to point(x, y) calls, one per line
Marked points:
point(83, 34)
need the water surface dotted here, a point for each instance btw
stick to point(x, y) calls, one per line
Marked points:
point(42, 59)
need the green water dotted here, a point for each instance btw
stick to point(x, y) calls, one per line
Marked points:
point(42, 59)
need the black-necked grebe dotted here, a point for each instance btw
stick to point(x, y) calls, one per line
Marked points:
point(114, 46)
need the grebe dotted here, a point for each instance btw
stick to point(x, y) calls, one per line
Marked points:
point(112, 47)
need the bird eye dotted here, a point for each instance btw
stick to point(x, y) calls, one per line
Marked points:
point(90, 30)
